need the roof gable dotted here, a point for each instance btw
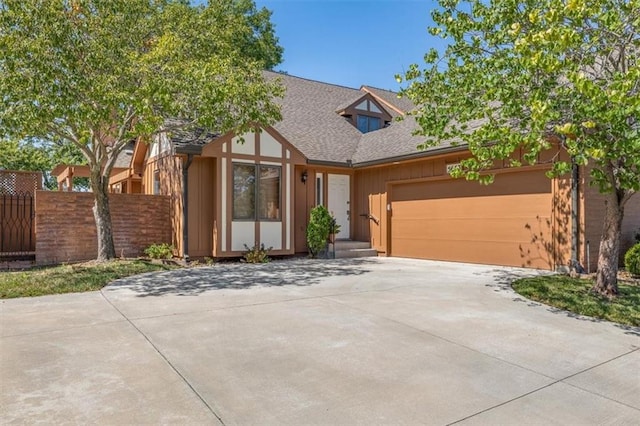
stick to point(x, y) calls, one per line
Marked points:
point(364, 104)
point(309, 119)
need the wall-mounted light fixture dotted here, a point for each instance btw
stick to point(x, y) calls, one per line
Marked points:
point(304, 177)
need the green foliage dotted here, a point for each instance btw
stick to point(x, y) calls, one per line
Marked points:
point(318, 230)
point(103, 72)
point(71, 278)
point(97, 74)
point(525, 71)
point(632, 260)
point(519, 76)
point(575, 295)
point(159, 251)
point(256, 254)
point(41, 156)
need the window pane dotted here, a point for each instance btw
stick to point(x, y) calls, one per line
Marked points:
point(156, 182)
point(363, 123)
point(319, 189)
point(362, 105)
point(244, 191)
point(367, 123)
point(374, 123)
point(269, 193)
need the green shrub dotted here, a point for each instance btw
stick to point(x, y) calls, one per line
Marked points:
point(318, 229)
point(256, 254)
point(159, 251)
point(632, 260)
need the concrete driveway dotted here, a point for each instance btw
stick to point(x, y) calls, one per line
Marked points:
point(368, 341)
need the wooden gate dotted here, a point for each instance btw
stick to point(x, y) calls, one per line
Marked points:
point(17, 213)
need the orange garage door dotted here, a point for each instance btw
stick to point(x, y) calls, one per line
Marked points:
point(506, 223)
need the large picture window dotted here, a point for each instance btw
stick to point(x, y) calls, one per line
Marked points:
point(256, 192)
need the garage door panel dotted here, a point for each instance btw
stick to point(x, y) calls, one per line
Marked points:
point(498, 206)
point(527, 183)
point(501, 253)
point(494, 225)
point(521, 230)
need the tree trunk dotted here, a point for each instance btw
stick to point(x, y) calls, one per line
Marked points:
point(607, 275)
point(102, 215)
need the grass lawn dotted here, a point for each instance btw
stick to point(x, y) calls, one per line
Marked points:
point(574, 295)
point(71, 278)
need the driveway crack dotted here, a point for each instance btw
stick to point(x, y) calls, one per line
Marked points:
point(169, 363)
point(554, 383)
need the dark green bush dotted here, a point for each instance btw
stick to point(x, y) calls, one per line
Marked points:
point(159, 251)
point(318, 229)
point(632, 260)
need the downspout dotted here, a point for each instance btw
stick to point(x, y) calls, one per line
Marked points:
point(185, 207)
point(575, 231)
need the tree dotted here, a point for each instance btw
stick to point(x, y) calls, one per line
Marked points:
point(100, 73)
point(40, 156)
point(526, 72)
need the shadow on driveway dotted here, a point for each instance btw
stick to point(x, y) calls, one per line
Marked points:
point(194, 281)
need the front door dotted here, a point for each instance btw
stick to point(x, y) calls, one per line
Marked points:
point(338, 202)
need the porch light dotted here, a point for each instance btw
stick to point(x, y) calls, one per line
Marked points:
point(304, 177)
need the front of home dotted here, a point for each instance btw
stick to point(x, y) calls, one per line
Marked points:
point(343, 148)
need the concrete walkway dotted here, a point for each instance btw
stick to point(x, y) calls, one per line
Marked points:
point(362, 341)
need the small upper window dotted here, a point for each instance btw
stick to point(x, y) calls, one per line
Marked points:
point(366, 123)
point(368, 105)
point(156, 182)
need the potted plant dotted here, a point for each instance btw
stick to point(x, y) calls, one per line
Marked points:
point(334, 228)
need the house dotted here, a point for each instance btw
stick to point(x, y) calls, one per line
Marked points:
point(342, 147)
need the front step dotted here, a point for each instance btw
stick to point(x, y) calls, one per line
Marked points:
point(350, 249)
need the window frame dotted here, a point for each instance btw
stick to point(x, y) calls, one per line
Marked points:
point(319, 189)
point(257, 216)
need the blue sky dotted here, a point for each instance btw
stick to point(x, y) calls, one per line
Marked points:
point(352, 42)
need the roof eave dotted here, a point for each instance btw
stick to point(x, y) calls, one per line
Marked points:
point(429, 153)
point(189, 149)
point(330, 163)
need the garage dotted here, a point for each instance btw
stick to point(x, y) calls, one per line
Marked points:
point(509, 222)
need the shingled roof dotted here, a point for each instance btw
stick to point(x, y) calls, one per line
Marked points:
point(187, 139)
point(310, 122)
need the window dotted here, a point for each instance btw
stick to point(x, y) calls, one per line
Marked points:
point(256, 192)
point(366, 123)
point(269, 193)
point(368, 106)
point(244, 191)
point(319, 189)
point(156, 182)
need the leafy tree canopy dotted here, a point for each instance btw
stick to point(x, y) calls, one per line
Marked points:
point(100, 73)
point(519, 74)
point(519, 71)
point(40, 156)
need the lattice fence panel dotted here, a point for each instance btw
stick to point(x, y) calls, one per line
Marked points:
point(17, 182)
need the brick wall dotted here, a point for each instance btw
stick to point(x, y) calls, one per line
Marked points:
point(66, 229)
